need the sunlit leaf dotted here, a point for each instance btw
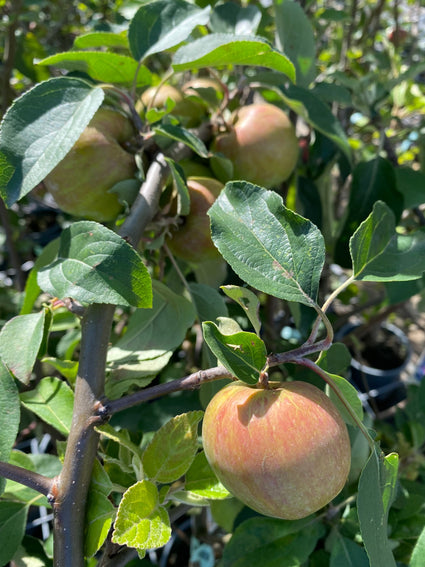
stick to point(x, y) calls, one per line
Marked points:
point(95, 265)
point(39, 129)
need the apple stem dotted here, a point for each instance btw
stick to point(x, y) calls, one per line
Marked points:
point(326, 377)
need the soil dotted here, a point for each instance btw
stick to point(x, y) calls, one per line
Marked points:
point(381, 349)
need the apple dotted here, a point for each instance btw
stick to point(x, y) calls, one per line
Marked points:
point(189, 110)
point(97, 161)
point(261, 144)
point(283, 450)
point(191, 241)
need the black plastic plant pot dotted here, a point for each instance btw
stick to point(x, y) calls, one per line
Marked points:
point(377, 371)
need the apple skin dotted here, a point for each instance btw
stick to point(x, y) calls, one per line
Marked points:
point(283, 451)
point(192, 240)
point(188, 110)
point(80, 182)
point(261, 144)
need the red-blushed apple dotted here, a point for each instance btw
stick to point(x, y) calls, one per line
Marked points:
point(284, 450)
point(81, 181)
point(261, 144)
point(191, 241)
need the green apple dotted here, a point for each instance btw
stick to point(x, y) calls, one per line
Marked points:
point(80, 183)
point(261, 144)
point(189, 110)
point(191, 241)
point(284, 450)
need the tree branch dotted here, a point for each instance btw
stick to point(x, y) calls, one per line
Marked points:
point(191, 382)
point(38, 482)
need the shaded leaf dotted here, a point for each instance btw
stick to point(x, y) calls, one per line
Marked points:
point(95, 265)
point(13, 518)
point(52, 400)
point(376, 493)
point(296, 39)
point(39, 129)
point(179, 178)
point(272, 542)
point(160, 25)
point(99, 510)
point(372, 181)
point(153, 333)
point(316, 113)
point(102, 66)
point(218, 49)
point(20, 341)
point(243, 354)
point(141, 522)
point(270, 247)
point(173, 448)
point(347, 553)
point(10, 415)
point(418, 554)
point(379, 253)
point(230, 17)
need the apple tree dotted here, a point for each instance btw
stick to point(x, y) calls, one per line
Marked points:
point(213, 166)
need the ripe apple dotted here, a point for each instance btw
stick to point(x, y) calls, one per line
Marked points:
point(189, 110)
point(261, 144)
point(80, 182)
point(284, 451)
point(192, 240)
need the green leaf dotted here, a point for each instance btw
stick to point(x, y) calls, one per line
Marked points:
point(351, 396)
point(418, 555)
point(271, 542)
point(39, 129)
point(248, 301)
point(10, 415)
point(208, 302)
point(379, 253)
point(160, 25)
point(230, 17)
point(296, 39)
point(376, 492)
point(270, 247)
point(347, 553)
point(102, 66)
point(372, 181)
point(13, 518)
point(411, 184)
point(141, 522)
point(122, 439)
point(152, 333)
point(202, 481)
point(173, 448)
point(243, 354)
point(101, 39)
point(95, 265)
point(68, 368)
point(316, 113)
point(52, 400)
point(20, 342)
point(180, 134)
point(32, 289)
point(179, 178)
point(99, 510)
point(218, 49)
